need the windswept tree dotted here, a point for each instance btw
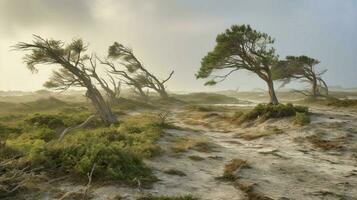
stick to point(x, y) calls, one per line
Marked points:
point(137, 70)
point(112, 87)
point(240, 48)
point(74, 69)
point(301, 68)
point(128, 80)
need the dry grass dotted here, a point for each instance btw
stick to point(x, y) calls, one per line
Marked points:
point(232, 167)
point(186, 143)
point(250, 190)
point(255, 135)
point(318, 142)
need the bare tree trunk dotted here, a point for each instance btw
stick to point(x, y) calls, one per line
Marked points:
point(325, 86)
point(314, 89)
point(273, 98)
point(101, 106)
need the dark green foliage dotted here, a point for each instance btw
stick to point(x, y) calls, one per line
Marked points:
point(50, 121)
point(240, 48)
point(5, 131)
point(236, 42)
point(301, 119)
point(267, 111)
point(186, 197)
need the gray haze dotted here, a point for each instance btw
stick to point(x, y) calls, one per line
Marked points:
point(177, 34)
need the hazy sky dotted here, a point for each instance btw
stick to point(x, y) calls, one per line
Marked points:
point(176, 34)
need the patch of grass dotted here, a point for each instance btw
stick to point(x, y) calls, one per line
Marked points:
point(196, 158)
point(175, 172)
point(232, 167)
point(301, 119)
point(186, 143)
point(117, 151)
point(267, 111)
point(186, 197)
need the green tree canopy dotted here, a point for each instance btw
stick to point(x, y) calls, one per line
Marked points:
point(240, 48)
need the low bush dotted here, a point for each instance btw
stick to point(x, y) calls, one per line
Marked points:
point(5, 131)
point(116, 151)
point(51, 121)
point(267, 111)
point(301, 119)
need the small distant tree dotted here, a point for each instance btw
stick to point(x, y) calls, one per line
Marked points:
point(74, 69)
point(301, 68)
point(241, 48)
point(137, 70)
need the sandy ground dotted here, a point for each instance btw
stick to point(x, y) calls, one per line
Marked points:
point(282, 166)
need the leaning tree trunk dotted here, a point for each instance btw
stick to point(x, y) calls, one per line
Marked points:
point(272, 94)
point(325, 86)
point(314, 89)
point(101, 106)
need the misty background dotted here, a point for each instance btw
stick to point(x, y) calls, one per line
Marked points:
point(168, 35)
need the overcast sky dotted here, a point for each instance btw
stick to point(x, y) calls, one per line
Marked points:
point(176, 34)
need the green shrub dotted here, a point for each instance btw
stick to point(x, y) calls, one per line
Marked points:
point(117, 151)
point(5, 131)
point(79, 152)
point(301, 119)
point(50, 121)
point(267, 111)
